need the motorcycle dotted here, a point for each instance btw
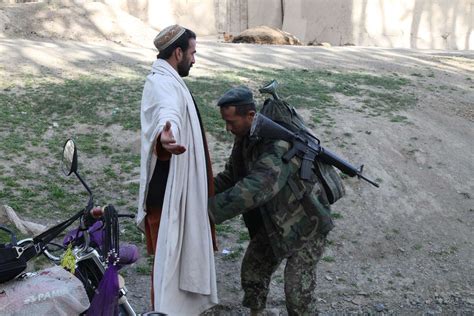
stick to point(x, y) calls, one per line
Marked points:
point(91, 252)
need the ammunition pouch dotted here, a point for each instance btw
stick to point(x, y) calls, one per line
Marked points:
point(330, 181)
point(321, 210)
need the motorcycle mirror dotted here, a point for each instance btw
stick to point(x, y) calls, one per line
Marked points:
point(69, 162)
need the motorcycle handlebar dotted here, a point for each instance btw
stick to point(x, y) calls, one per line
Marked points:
point(97, 212)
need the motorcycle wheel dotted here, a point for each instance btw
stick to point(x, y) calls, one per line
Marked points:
point(123, 311)
point(90, 275)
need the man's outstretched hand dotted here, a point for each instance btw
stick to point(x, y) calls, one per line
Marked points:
point(169, 143)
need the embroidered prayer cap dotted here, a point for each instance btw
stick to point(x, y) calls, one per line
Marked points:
point(168, 36)
point(240, 95)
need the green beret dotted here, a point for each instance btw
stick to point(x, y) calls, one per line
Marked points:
point(236, 96)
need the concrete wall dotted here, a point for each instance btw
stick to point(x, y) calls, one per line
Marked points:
point(198, 15)
point(232, 15)
point(265, 12)
point(319, 20)
point(434, 24)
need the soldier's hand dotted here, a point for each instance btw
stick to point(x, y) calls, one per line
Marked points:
point(169, 143)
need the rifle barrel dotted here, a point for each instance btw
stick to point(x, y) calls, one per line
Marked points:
point(331, 158)
point(369, 181)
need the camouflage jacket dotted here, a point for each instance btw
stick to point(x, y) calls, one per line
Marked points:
point(256, 179)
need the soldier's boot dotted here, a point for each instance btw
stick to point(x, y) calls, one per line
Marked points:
point(265, 312)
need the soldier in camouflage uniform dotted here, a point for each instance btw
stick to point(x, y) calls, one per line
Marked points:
point(286, 216)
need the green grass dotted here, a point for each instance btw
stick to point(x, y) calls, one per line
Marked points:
point(234, 255)
point(336, 215)
point(39, 112)
point(143, 269)
point(328, 259)
point(417, 247)
point(5, 237)
point(243, 236)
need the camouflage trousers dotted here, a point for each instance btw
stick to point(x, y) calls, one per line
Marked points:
point(259, 263)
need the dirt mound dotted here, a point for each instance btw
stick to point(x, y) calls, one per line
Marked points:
point(266, 35)
point(87, 22)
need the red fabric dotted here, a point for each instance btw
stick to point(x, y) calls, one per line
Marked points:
point(211, 192)
point(152, 224)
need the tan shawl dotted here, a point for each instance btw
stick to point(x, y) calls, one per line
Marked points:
point(184, 271)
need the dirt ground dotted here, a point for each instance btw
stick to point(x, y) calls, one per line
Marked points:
point(405, 248)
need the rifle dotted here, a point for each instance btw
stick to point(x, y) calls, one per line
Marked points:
point(305, 146)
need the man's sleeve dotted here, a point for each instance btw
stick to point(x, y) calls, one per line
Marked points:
point(266, 178)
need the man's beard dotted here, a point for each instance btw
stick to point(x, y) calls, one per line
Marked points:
point(183, 68)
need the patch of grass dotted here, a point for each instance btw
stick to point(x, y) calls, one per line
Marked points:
point(243, 236)
point(328, 259)
point(56, 192)
point(6, 237)
point(398, 118)
point(224, 228)
point(304, 89)
point(10, 182)
point(133, 188)
point(446, 251)
point(13, 143)
point(42, 111)
point(279, 279)
point(417, 247)
point(341, 280)
point(336, 215)
point(234, 255)
point(129, 231)
point(109, 172)
point(143, 269)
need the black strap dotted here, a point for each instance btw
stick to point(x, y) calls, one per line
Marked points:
point(46, 236)
point(111, 238)
point(40, 241)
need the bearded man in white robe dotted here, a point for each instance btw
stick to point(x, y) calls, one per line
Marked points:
point(175, 182)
